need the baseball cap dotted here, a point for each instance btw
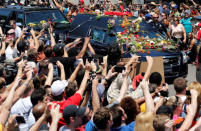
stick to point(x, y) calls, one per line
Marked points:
point(148, 15)
point(58, 87)
point(73, 110)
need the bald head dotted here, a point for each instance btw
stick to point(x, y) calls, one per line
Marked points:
point(38, 110)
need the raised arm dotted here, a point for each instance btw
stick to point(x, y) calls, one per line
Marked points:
point(104, 73)
point(86, 99)
point(191, 111)
point(197, 126)
point(53, 42)
point(95, 98)
point(58, 5)
point(148, 98)
point(62, 71)
point(36, 43)
point(91, 49)
point(21, 65)
point(148, 71)
point(193, 2)
point(85, 79)
point(39, 122)
point(19, 92)
point(3, 48)
point(74, 74)
point(5, 108)
point(56, 115)
point(40, 34)
point(1, 32)
point(84, 48)
point(124, 87)
point(50, 75)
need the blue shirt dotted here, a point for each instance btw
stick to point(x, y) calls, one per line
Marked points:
point(90, 126)
point(65, 10)
point(121, 128)
point(187, 24)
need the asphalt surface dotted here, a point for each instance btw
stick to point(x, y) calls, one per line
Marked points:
point(190, 78)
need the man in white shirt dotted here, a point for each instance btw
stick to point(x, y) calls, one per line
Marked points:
point(16, 28)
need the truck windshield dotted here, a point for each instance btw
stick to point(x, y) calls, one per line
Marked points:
point(43, 15)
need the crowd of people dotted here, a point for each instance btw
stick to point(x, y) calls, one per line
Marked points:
point(67, 87)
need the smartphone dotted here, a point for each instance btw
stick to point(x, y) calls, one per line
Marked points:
point(56, 72)
point(124, 47)
point(119, 68)
point(164, 93)
point(20, 119)
point(188, 93)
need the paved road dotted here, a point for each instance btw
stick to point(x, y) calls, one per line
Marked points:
point(190, 78)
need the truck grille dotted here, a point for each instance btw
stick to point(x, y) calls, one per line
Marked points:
point(171, 66)
point(171, 61)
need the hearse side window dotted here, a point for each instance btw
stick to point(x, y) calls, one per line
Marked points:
point(4, 14)
point(20, 18)
point(13, 16)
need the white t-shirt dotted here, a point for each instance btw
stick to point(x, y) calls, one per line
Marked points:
point(24, 107)
point(17, 31)
point(10, 53)
point(177, 31)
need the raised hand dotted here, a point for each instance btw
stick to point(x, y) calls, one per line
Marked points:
point(87, 66)
point(144, 84)
point(55, 114)
point(59, 64)
point(95, 82)
point(149, 59)
point(32, 32)
point(111, 73)
point(50, 66)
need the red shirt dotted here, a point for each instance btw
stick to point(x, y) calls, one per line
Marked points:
point(199, 35)
point(73, 100)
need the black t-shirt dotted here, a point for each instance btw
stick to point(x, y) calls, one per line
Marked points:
point(68, 63)
point(159, 26)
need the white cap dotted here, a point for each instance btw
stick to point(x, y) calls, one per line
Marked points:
point(58, 87)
